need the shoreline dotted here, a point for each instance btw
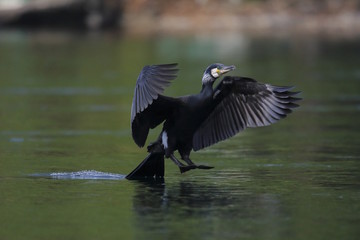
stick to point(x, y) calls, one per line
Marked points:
point(341, 25)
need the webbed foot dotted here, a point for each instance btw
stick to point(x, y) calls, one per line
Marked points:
point(190, 167)
point(204, 167)
point(187, 168)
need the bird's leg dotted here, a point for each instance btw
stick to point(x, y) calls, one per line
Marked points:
point(187, 159)
point(176, 161)
point(183, 168)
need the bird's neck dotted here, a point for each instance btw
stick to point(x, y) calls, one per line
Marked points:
point(207, 88)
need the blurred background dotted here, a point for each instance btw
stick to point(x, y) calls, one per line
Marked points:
point(146, 16)
point(67, 74)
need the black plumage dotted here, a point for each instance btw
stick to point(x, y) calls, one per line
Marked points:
point(197, 121)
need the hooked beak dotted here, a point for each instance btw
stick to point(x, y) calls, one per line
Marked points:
point(226, 69)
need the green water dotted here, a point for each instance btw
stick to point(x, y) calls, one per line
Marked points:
point(65, 107)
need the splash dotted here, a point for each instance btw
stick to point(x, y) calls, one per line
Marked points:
point(84, 175)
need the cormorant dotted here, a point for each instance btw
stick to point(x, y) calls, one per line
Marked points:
point(197, 121)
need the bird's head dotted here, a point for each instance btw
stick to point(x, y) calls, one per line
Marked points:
point(214, 71)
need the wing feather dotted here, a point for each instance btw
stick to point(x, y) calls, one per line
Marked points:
point(151, 82)
point(240, 103)
point(149, 108)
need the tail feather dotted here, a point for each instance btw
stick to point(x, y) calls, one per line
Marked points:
point(151, 167)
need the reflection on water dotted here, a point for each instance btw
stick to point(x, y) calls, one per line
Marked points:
point(65, 106)
point(205, 210)
point(193, 198)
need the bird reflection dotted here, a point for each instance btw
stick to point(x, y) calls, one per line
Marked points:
point(172, 208)
point(183, 197)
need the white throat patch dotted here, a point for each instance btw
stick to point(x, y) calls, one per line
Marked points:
point(214, 73)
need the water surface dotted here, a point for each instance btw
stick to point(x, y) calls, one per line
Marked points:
point(65, 107)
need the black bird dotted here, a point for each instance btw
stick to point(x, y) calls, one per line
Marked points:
point(197, 121)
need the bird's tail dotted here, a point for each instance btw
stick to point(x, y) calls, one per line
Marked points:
point(151, 167)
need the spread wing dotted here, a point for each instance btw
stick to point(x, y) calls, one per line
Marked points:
point(239, 103)
point(149, 108)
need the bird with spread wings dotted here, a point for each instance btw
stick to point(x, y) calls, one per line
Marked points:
point(194, 122)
